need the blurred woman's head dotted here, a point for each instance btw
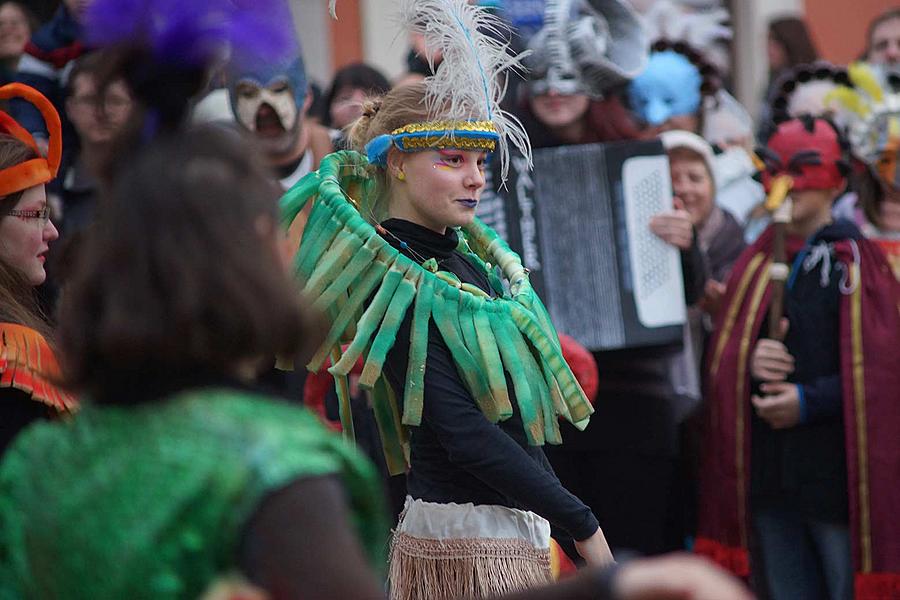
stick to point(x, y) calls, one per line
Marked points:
point(16, 24)
point(184, 273)
point(883, 39)
point(690, 164)
point(560, 112)
point(789, 44)
point(350, 88)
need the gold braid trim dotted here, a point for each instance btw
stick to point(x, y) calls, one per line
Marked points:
point(446, 134)
point(859, 393)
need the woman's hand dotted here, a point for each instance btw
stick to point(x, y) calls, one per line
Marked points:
point(674, 226)
point(595, 551)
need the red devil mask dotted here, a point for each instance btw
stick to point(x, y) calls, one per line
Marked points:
point(809, 150)
point(37, 170)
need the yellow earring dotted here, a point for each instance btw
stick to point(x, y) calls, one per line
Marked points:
point(401, 176)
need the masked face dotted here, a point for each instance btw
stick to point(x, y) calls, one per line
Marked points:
point(669, 87)
point(270, 112)
point(810, 156)
point(270, 103)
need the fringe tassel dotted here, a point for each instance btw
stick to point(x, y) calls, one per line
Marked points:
point(423, 569)
point(877, 586)
point(28, 364)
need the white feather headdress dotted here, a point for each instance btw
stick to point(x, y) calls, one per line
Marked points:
point(706, 31)
point(468, 84)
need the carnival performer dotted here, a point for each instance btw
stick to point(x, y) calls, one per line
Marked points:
point(28, 370)
point(469, 361)
point(802, 454)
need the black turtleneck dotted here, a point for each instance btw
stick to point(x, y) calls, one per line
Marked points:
point(457, 455)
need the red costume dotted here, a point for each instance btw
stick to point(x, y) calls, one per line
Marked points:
point(869, 331)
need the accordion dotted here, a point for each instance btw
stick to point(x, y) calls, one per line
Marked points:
point(580, 222)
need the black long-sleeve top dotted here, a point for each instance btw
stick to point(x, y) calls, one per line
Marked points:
point(457, 455)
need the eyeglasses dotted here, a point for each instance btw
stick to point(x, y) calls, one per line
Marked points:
point(42, 215)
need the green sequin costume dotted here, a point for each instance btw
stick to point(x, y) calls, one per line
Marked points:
point(150, 501)
point(366, 287)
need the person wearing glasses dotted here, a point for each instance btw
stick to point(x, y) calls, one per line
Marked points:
point(27, 362)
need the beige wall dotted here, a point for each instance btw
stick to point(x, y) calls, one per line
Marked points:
point(383, 44)
point(311, 19)
point(750, 20)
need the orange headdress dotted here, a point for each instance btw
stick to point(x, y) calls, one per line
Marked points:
point(37, 170)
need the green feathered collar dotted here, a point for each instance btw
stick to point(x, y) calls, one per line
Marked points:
point(344, 262)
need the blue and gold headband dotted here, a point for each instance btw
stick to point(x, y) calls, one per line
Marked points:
point(432, 135)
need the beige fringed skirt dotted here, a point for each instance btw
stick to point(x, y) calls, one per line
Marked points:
point(466, 551)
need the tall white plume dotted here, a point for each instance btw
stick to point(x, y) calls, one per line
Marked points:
point(469, 83)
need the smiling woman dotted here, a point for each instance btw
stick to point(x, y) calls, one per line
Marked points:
point(27, 364)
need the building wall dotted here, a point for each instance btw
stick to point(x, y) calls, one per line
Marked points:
point(367, 30)
point(750, 20)
point(839, 26)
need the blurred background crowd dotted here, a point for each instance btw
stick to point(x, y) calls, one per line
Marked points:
point(719, 77)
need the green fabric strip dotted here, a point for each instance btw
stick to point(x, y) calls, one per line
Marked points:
point(342, 386)
point(418, 351)
point(348, 314)
point(506, 332)
point(490, 356)
point(384, 405)
point(387, 333)
point(295, 199)
point(354, 269)
point(371, 318)
point(446, 317)
point(333, 262)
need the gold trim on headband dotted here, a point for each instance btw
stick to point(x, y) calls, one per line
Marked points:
point(447, 126)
